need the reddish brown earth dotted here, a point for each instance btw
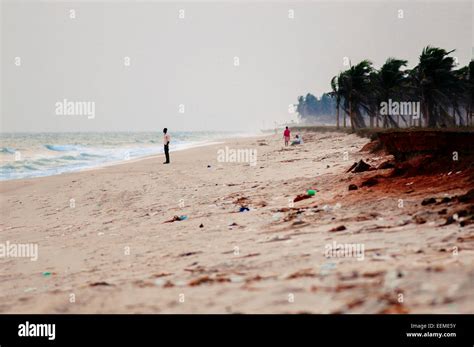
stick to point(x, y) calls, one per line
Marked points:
point(427, 159)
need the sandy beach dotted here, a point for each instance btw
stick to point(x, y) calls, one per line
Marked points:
point(112, 252)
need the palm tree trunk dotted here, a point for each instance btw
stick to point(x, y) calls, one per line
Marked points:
point(431, 122)
point(337, 116)
point(351, 116)
point(425, 114)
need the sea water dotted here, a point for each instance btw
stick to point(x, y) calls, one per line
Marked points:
point(26, 155)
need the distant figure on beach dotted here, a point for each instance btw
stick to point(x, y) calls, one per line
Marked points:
point(286, 135)
point(166, 143)
point(297, 141)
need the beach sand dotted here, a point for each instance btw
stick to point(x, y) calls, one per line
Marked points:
point(111, 252)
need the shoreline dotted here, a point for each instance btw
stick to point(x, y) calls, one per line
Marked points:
point(136, 159)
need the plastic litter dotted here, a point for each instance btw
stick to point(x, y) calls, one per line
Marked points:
point(176, 219)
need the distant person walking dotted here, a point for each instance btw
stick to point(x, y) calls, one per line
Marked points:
point(166, 143)
point(286, 135)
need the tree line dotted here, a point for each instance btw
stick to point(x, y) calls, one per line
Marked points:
point(435, 93)
point(310, 107)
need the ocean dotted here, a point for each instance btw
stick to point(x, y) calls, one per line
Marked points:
point(26, 155)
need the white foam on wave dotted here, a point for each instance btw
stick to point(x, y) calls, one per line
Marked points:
point(53, 154)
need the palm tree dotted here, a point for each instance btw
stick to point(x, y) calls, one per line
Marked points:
point(374, 98)
point(465, 97)
point(459, 97)
point(435, 83)
point(354, 85)
point(337, 94)
point(391, 83)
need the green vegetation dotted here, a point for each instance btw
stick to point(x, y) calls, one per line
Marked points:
point(433, 94)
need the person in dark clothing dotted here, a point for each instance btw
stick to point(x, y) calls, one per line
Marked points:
point(166, 143)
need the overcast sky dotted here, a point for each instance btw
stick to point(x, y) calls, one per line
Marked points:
point(190, 61)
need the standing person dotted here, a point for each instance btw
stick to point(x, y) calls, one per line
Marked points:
point(286, 135)
point(166, 143)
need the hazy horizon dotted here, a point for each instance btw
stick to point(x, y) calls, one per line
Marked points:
point(190, 61)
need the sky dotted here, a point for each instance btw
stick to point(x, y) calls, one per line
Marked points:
point(227, 65)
